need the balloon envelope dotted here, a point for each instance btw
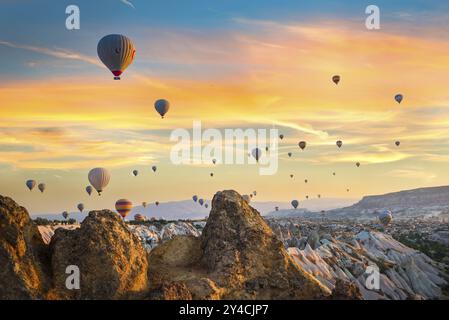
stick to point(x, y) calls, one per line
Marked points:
point(65, 214)
point(154, 168)
point(247, 198)
point(256, 153)
point(41, 187)
point(135, 173)
point(116, 52)
point(30, 184)
point(89, 190)
point(385, 217)
point(339, 143)
point(162, 106)
point(195, 198)
point(295, 204)
point(302, 145)
point(336, 79)
point(99, 178)
point(123, 207)
point(80, 207)
point(398, 98)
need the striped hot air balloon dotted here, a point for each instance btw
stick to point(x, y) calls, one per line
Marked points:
point(123, 207)
point(139, 217)
point(116, 52)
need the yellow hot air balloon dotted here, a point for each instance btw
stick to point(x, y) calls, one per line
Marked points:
point(116, 52)
point(123, 207)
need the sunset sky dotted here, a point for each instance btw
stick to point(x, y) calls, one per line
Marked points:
point(229, 64)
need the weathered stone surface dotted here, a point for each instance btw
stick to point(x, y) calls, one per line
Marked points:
point(112, 261)
point(24, 258)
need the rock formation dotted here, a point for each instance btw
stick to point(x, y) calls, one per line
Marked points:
point(112, 261)
point(236, 257)
point(24, 260)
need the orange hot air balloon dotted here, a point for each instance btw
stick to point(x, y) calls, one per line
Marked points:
point(123, 207)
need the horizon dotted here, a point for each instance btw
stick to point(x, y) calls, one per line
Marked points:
point(228, 65)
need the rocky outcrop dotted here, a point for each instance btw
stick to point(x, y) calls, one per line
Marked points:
point(111, 260)
point(24, 259)
point(236, 257)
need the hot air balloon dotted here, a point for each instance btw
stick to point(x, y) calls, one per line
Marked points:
point(307, 197)
point(291, 176)
point(276, 208)
point(336, 79)
point(195, 198)
point(319, 196)
point(306, 181)
point(41, 187)
point(201, 202)
point(347, 190)
point(211, 174)
point(339, 143)
point(162, 107)
point(358, 164)
point(255, 193)
point(116, 52)
point(123, 207)
point(156, 203)
point(99, 178)
point(30, 184)
point(214, 161)
point(89, 190)
point(290, 154)
point(144, 204)
point(80, 207)
point(154, 168)
point(256, 153)
point(281, 136)
point(65, 214)
point(247, 198)
point(206, 206)
point(333, 173)
point(295, 204)
point(251, 195)
point(398, 98)
point(302, 145)
point(135, 173)
point(397, 143)
point(139, 217)
point(385, 217)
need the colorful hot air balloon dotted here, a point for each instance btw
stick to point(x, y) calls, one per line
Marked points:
point(247, 198)
point(336, 79)
point(116, 52)
point(256, 153)
point(144, 204)
point(65, 214)
point(80, 207)
point(201, 202)
point(195, 198)
point(162, 107)
point(397, 143)
point(302, 145)
point(135, 173)
point(385, 217)
point(281, 136)
point(339, 143)
point(99, 178)
point(30, 184)
point(89, 190)
point(398, 98)
point(139, 217)
point(41, 187)
point(154, 168)
point(123, 207)
point(295, 204)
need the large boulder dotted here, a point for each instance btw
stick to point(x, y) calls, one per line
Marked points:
point(111, 260)
point(24, 258)
point(236, 257)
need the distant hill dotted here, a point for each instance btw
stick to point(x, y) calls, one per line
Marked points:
point(404, 204)
point(187, 209)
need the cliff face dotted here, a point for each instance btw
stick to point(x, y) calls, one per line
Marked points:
point(24, 258)
point(236, 257)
